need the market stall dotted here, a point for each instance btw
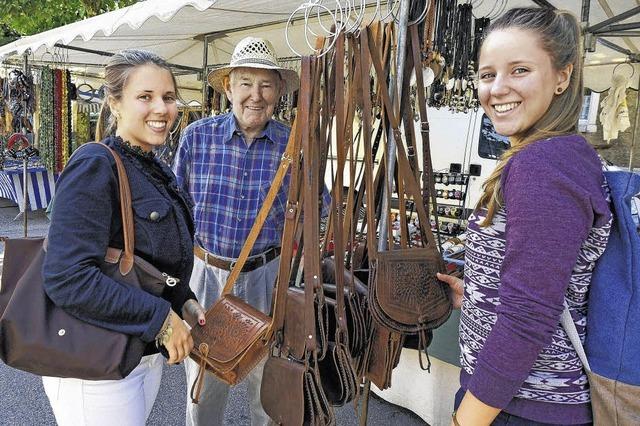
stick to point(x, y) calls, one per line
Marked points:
point(197, 34)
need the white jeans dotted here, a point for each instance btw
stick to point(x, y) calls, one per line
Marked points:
point(125, 402)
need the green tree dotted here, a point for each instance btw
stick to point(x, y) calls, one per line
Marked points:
point(27, 17)
point(7, 35)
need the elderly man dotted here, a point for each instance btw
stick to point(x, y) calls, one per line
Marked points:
point(227, 163)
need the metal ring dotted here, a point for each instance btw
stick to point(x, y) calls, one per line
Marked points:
point(633, 69)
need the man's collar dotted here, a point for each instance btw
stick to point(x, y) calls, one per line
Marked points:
point(231, 125)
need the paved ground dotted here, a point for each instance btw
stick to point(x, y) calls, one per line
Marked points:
point(23, 402)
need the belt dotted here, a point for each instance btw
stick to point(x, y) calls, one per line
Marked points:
point(253, 262)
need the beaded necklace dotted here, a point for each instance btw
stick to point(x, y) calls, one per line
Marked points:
point(46, 130)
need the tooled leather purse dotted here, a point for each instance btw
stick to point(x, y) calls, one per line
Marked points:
point(236, 335)
point(405, 297)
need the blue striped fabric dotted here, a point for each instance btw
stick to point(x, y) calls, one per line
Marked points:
point(40, 187)
point(229, 180)
point(6, 187)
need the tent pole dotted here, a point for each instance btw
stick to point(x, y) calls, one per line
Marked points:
point(635, 128)
point(25, 160)
point(205, 63)
point(103, 53)
point(395, 88)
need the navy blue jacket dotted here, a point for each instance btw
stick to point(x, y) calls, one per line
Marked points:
point(86, 220)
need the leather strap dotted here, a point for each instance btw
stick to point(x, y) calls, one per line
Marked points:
point(262, 215)
point(428, 182)
point(365, 66)
point(252, 262)
point(292, 217)
point(403, 162)
point(338, 237)
point(312, 276)
point(126, 262)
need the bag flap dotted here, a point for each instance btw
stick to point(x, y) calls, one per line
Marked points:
point(282, 373)
point(232, 326)
point(294, 335)
point(407, 288)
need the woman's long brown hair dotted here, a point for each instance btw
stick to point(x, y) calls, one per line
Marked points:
point(560, 36)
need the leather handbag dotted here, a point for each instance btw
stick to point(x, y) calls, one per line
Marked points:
point(236, 335)
point(39, 337)
point(300, 317)
point(405, 294)
point(305, 402)
point(405, 298)
point(219, 346)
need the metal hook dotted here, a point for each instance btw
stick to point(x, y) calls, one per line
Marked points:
point(376, 13)
point(47, 51)
point(359, 17)
point(308, 8)
point(633, 69)
point(330, 34)
point(391, 4)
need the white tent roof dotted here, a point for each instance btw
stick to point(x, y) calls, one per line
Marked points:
point(175, 30)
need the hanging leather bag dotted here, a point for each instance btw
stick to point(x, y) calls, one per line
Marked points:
point(293, 363)
point(41, 338)
point(405, 295)
point(236, 335)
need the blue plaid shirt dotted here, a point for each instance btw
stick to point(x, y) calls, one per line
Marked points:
point(229, 181)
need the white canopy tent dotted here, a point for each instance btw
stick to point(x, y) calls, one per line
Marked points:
point(176, 30)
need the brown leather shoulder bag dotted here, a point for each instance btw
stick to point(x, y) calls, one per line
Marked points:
point(39, 337)
point(236, 335)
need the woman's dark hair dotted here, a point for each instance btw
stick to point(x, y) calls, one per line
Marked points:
point(559, 35)
point(117, 71)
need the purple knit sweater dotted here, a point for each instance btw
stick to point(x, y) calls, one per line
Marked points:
point(539, 250)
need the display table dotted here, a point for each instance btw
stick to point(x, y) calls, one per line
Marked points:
point(40, 186)
point(429, 395)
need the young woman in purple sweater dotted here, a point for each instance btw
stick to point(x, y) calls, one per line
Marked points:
point(541, 223)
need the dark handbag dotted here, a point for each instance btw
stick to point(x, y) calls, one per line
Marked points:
point(39, 337)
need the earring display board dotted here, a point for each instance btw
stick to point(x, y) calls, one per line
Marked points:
point(451, 193)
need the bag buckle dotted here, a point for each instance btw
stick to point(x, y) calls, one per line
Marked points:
point(232, 264)
point(169, 280)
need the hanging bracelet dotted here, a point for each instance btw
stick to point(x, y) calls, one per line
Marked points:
point(165, 333)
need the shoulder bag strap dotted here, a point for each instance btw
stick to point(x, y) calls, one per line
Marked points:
point(126, 262)
point(262, 215)
point(338, 213)
point(427, 166)
point(292, 217)
point(570, 328)
point(311, 219)
point(403, 162)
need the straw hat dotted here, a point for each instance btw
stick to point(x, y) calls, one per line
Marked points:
point(254, 52)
